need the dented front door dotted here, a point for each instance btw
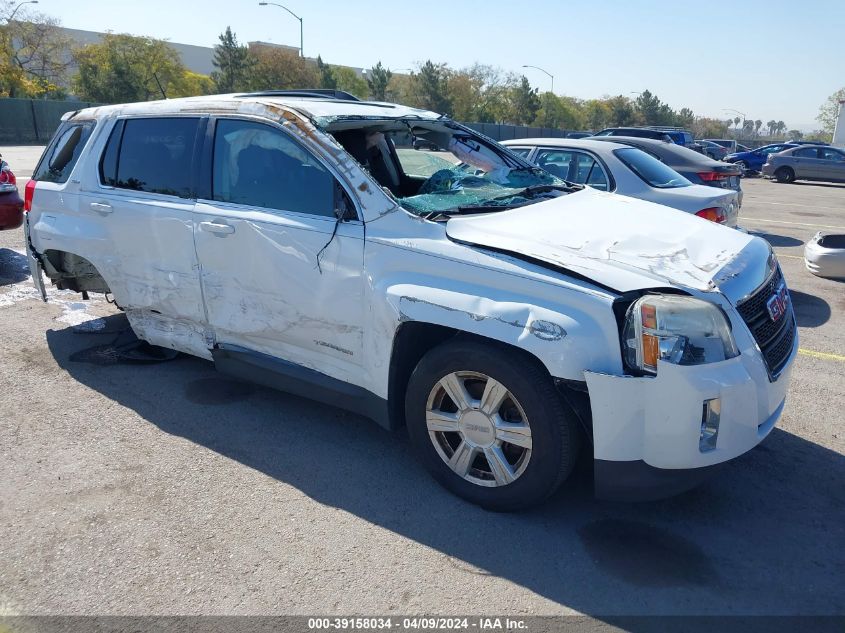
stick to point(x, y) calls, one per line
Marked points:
point(280, 274)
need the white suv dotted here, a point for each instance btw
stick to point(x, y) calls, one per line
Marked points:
point(506, 317)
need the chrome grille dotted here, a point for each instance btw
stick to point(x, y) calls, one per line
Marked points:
point(775, 338)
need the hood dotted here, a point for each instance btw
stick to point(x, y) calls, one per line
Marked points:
point(618, 242)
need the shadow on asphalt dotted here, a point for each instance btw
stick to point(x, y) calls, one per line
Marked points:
point(763, 536)
point(778, 241)
point(810, 310)
point(13, 267)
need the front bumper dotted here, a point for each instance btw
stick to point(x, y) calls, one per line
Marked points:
point(647, 430)
point(768, 170)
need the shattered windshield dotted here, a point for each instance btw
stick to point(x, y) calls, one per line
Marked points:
point(436, 169)
point(467, 175)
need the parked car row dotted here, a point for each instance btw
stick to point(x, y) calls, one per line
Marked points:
point(506, 314)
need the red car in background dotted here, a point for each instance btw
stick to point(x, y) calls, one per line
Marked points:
point(11, 205)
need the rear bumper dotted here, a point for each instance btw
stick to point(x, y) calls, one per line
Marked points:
point(11, 210)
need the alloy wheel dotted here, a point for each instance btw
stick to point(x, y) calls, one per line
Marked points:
point(478, 428)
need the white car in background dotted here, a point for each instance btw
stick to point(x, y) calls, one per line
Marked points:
point(628, 171)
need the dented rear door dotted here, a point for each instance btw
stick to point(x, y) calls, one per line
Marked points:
point(141, 203)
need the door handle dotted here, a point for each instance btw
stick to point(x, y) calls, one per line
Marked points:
point(217, 228)
point(101, 207)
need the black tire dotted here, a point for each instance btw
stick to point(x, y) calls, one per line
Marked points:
point(785, 175)
point(745, 167)
point(554, 431)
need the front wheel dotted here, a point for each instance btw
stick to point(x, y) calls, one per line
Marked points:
point(785, 174)
point(489, 425)
point(744, 167)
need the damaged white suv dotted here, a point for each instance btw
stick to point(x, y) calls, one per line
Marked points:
point(506, 317)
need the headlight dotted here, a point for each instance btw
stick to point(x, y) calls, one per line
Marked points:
point(675, 329)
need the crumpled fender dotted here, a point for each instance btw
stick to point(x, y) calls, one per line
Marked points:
point(565, 342)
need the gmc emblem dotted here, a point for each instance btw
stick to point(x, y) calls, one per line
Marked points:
point(778, 304)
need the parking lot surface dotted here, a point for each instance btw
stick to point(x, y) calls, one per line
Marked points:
point(169, 489)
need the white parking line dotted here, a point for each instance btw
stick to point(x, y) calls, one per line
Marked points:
point(766, 221)
point(802, 204)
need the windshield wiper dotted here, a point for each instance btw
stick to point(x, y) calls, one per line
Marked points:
point(469, 209)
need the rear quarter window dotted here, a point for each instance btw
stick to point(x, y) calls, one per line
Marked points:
point(61, 155)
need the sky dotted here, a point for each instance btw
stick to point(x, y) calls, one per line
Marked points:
point(768, 59)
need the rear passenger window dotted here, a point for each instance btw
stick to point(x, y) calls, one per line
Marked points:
point(153, 155)
point(61, 156)
point(259, 166)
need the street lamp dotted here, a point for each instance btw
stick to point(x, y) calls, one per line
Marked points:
point(543, 71)
point(264, 4)
point(18, 6)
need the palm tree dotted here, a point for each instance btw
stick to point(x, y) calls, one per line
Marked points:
point(772, 125)
point(736, 122)
point(757, 125)
point(781, 127)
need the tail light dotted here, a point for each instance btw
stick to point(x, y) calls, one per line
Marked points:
point(713, 176)
point(714, 214)
point(8, 182)
point(28, 194)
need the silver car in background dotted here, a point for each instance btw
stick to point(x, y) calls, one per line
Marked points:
point(806, 162)
point(629, 171)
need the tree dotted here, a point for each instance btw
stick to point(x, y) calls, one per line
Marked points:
point(704, 127)
point(350, 81)
point(125, 68)
point(771, 125)
point(781, 127)
point(757, 125)
point(736, 122)
point(795, 135)
point(525, 102)
point(829, 111)
point(557, 112)
point(747, 127)
point(233, 62)
point(685, 118)
point(378, 79)
point(596, 114)
point(326, 76)
point(280, 69)
point(620, 110)
point(34, 54)
point(649, 108)
point(430, 87)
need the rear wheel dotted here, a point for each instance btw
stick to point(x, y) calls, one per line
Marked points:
point(785, 174)
point(489, 426)
point(745, 167)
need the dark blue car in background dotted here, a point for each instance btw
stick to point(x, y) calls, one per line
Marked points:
point(753, 161)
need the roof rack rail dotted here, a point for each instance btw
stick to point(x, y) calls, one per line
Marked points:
point(665, 127)
point(318, 93)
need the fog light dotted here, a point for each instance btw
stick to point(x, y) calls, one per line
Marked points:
point(709, 425)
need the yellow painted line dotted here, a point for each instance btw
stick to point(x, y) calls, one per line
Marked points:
point(746, 220)
point(821, 355)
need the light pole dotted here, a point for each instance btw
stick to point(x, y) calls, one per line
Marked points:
point(543, 71)
point(264, 4)
point(18, 6)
